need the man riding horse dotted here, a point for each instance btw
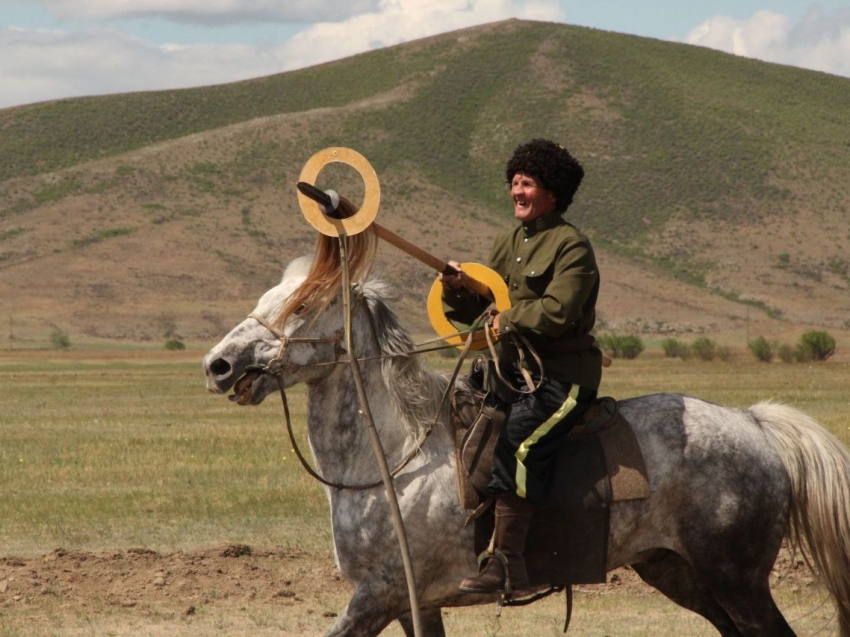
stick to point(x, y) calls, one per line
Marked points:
point(553, 281)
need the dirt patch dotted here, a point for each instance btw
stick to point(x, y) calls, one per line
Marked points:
point(136, 576)
point(121, 591)
point(234, 589)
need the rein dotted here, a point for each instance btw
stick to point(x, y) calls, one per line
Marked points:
point(274, 368)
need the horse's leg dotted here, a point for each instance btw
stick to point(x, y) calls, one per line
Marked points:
point(673, 576)
point(751, 607)
point(432, 623)
point(368, 612)
point(729, 588)
point(735, 560)
point(738, 577)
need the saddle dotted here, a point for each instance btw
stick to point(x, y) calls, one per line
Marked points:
point(599, 463)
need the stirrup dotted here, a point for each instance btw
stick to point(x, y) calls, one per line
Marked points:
point(497, 554)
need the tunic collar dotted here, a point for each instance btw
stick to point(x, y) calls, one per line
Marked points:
point(545, 222)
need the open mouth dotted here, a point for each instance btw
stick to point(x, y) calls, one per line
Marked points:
point(243, 390)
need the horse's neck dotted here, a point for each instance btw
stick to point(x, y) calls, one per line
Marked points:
point(337, 422)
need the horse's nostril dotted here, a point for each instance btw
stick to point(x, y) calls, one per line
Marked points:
point(220, 367)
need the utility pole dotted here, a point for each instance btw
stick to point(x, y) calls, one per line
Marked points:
point(11, 333)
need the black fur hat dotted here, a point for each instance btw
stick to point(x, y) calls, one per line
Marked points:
point(551, 164)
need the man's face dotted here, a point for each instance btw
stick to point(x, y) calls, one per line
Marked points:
point(531, 200)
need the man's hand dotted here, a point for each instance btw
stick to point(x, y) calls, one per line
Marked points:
point(452, 281)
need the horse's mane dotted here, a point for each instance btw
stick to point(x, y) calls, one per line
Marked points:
point(325, 276)
point(415, 389)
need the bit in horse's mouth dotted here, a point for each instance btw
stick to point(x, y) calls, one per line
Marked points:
point(242, 390)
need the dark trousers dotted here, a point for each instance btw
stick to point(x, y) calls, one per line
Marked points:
point(532, 435)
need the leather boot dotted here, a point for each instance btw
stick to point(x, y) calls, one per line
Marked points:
point(513, 518)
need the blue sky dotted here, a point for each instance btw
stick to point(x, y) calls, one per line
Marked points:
point(51, 49)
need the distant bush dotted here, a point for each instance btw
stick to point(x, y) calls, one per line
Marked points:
point(785, 353)
point(60, 339)
point(761, 349)
point(174, 344)
point(816, 345)
point(674, 348)
point(626, 346)
point(704, 349)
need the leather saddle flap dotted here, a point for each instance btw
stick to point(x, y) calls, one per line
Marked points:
point(568, 539)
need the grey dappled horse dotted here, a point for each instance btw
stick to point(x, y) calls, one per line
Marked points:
point(727, 484)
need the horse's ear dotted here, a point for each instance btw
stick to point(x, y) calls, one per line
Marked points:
point(298, 267)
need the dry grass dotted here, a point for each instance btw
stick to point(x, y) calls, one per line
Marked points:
point(124, 448)
point(133, 452)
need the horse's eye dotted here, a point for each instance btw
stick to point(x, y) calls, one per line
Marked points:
point(300, 309)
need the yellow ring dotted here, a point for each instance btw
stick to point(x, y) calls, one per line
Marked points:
point(371, 198)
point(437, 314)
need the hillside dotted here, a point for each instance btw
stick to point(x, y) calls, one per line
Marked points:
point(716, 194)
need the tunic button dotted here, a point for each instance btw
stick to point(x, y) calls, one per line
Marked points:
point(532, 273)
point(525, 240)
point(519, 259)
point(514, 286)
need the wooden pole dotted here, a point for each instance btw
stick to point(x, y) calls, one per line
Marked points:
point(430, 260)
point(386, 476)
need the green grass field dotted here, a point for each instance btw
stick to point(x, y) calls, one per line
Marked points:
point(101, 450)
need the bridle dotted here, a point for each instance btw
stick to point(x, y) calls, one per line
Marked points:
point(274, 366)
point(275, 369)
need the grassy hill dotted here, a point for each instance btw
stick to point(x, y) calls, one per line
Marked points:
point(717, 187)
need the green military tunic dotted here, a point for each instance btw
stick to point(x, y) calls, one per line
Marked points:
point(553, 282)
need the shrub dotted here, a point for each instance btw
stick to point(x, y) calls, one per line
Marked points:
point(174, 344)
point(626, 346)
point(761, 349)
point(674, 348)
point(60, 339)
point(704, 348)
point(816, 345)
point(785, 353)
point(671, 347)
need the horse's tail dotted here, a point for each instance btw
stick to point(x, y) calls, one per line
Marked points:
point(819, 468)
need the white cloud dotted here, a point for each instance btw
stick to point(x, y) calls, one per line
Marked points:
point(38, 65)
point(213, 12)
point(405, 20)
point(819, 41)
